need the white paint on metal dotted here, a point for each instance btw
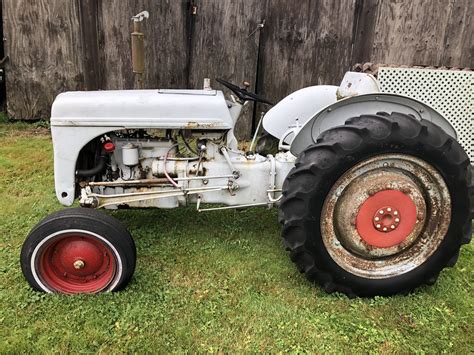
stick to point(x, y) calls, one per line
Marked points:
point(300, 105)
point(450, 92)
point(141, 16)
point(207, 84)
point(354, 84)
point(130, 154)
point(227, 207)
point(138, 196)
point(249, 187)
point(198, 109)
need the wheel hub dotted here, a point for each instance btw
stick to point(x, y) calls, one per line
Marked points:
point(81, 257)
point(386, 219)
point(385, 216)
point(379, 220)
point(74, 263)
point(79, 264)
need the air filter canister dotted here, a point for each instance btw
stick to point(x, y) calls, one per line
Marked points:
point(130, 154)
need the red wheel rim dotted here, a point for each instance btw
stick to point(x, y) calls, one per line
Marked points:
point(76, 263)
point(386, 219)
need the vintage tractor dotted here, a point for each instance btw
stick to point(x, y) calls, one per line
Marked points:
point(374, 191)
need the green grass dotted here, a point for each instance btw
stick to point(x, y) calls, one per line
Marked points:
point(217, 281)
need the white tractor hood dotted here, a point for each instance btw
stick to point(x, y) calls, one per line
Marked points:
point(194, 109)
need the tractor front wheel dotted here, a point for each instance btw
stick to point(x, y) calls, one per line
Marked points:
point(378, 206)
point(78, 251)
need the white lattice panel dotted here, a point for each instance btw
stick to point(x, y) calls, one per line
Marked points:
point(450, 92)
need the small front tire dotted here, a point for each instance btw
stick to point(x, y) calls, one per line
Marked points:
point(78, 251)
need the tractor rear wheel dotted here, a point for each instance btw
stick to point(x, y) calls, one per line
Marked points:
point(78, 251)
point(378, 206)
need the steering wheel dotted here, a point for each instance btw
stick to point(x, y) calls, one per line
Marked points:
point(243, 94)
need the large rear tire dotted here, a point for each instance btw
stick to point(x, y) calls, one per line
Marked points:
point(378, 206)
point(78, 251)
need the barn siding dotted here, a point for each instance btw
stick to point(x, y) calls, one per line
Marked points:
point(304, 45)
point(88, 11)
point(459, 36)
point(45, 54)
point(165, 36)
point(221, 47)
point(59, 45)
point(411, 32)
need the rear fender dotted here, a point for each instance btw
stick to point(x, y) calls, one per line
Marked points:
point(337, 113)
point(297, 108)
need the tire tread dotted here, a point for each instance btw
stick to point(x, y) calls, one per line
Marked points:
point(388, 132)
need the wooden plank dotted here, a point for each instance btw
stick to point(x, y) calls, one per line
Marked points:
point(165, 43)
point(307, 44)
point(167, 54)
point(114, 39)
point(43, 45)
point(88, 12)
point(2, 85)
point(458, 49)
point(365, 17)
point(411, 32)
point(222, 48)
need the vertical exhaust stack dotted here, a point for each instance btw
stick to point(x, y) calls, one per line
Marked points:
point(138, 48)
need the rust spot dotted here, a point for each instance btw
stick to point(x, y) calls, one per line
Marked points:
point(405, 190)
point(197, 125)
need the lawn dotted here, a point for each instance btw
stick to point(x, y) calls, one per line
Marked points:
point(215, 281)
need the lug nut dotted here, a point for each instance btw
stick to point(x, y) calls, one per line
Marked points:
point(79, 264)
point(385, 220)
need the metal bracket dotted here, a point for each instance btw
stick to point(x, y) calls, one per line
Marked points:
point(3, 61)
point(199, 209)
point(93, 200)
point(141, 16)
point(259, 27)
point(225, 153)
point(292, 129)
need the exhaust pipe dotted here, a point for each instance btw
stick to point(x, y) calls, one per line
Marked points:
point(138, 48)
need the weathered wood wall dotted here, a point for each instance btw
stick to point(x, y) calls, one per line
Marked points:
point(58, 45)
point(432, 33)
point(166, 51)
point(221, 46)
point(304, 45)
point(2, 81)
point(43, 44)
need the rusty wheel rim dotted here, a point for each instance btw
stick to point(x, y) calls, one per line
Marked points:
point(385, 216)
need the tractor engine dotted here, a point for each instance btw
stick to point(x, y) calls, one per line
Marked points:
point(199, 163)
